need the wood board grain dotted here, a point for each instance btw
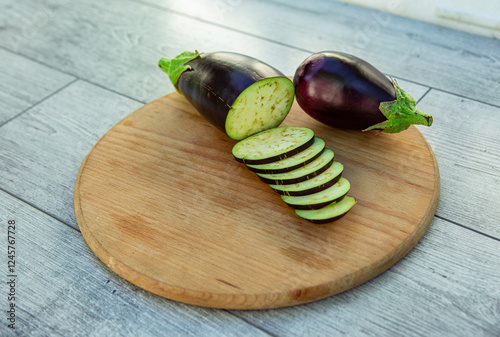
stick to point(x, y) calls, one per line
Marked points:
point(162, 202)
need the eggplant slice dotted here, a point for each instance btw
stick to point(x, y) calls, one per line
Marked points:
point(311, 170)
point(273, 144)
point(329, 213)
point(291, 163)
point(319, 199)
point(316, 184)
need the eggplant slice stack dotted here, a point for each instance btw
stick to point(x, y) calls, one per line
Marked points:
point(298, 166)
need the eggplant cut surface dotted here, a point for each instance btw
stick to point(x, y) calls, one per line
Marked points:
point(261, 106)
point(288, 164)
point(238, 94)
point(272, 145)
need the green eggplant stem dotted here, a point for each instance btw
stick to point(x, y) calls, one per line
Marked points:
point(400, 113)
point(176, 66)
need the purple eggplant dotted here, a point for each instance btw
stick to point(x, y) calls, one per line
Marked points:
point(238, 94)
point(344, 91)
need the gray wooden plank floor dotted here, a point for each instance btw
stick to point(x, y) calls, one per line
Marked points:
point(73, 294)
point(25, 83)
point(71, 70)
point(464, 64)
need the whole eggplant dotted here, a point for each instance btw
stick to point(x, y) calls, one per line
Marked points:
point(238, 94)
point(344, 91)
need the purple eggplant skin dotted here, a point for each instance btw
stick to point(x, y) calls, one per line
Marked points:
point(344, 91)
point(217, 79)
point(212, 82)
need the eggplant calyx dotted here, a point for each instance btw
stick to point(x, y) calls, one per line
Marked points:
point(176, 66)
point(400, 113)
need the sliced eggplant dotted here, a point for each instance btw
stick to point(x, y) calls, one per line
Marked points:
point(319, 199)
point(317, 166)
point(317, 184)
point(238, 94)
point(329, 213)
point(291, 163)
point(272, 145)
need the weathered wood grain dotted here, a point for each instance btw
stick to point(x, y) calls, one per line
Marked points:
point(63, 290)
point(42, 150)
point(120, 48)
point(466, 140)
point(24, 83)
point(448, 285)
point(465, 64)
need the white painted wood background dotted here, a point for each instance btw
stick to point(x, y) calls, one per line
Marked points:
point(479, 16)
point(70, 70)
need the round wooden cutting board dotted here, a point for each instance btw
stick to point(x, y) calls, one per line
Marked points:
point(162, 202)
